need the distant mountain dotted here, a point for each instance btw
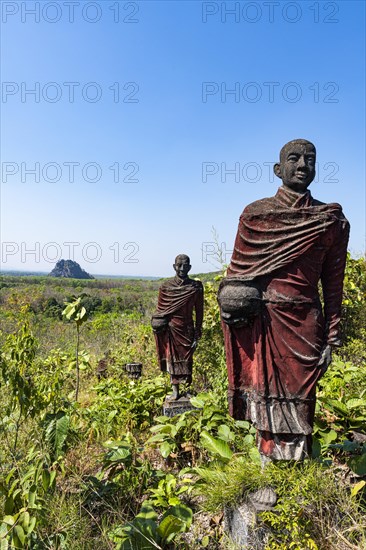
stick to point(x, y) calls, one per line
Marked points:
point(70, 270)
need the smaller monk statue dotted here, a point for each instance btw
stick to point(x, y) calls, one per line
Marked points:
point(176, 334)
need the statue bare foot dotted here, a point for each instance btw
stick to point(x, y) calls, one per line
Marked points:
point(263, 499)
point(174, 396)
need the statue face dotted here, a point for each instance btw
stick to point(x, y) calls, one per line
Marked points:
point(182, 268)
point(297, 166)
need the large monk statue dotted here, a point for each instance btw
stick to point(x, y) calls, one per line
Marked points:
point(175, 332)
point(278, 338)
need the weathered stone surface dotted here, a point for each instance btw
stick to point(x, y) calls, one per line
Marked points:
point(241, 526)
point(263, 499)
point(134, 370)
point(173, 407)
point(241, 522)
point(103, 364)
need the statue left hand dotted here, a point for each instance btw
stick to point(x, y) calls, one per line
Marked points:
point(325, 358)
point(197, 333)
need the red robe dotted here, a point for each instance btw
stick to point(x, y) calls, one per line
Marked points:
point(177, 300)
point(285, 244)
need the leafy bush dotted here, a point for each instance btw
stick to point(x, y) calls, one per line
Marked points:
point(192, 431)
point(354, 298)
point(24, 488)
point(124, 405)
point(146, 533)
point(341, 415)
point(121, 482)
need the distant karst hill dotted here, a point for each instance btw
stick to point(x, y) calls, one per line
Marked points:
point(69, 269)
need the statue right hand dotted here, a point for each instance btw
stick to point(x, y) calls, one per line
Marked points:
point(325, 359)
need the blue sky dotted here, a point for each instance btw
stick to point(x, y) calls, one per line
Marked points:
point(295, 69)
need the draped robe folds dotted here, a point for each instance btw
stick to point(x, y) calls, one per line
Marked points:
point(285, 244)
point(177, 300)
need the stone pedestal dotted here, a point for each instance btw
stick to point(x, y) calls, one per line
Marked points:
point(134, 370)
point(241, 522)
point(172, 408)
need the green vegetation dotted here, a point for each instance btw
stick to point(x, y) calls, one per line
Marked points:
point(88, 463)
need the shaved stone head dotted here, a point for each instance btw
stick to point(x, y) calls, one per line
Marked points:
point(182, 258)
point(296, 168)
point(295, 142)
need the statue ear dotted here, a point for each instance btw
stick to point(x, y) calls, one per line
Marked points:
point(189, 269)
point(277, 170)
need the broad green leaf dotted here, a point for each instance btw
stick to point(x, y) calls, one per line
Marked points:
point(216, 446)
point(358, 422)
point(225, 433)
point(32, 496)
point(25, 518)
point(170, 526)
point(327, 437)
point(156, 437)
point(181, 511)
point(10, 475)
point(358, 464)
point(110, 444)
point(17, 491)
point(52, 478)
point(336, 406)
point(57, 431)
point(28, 475)
point(142, 534)
point(165, 449)
point(46, 479)
point(242, 424)
point(147, 512)
point(197, 401)
point(9, 520)
point(161, 420)
point(355, 403)
point(357, 488)
point(347, 446)
point(32, 525)
point(18, 530)
point(166, 428)
point(70, 312)
point(316, 448)
point(119, 455)
point(111, 415)
point(255, 455)
point(173, 501)
point(248, 440)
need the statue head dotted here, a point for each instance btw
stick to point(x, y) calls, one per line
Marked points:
point(182, 266)
point(297, 165)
